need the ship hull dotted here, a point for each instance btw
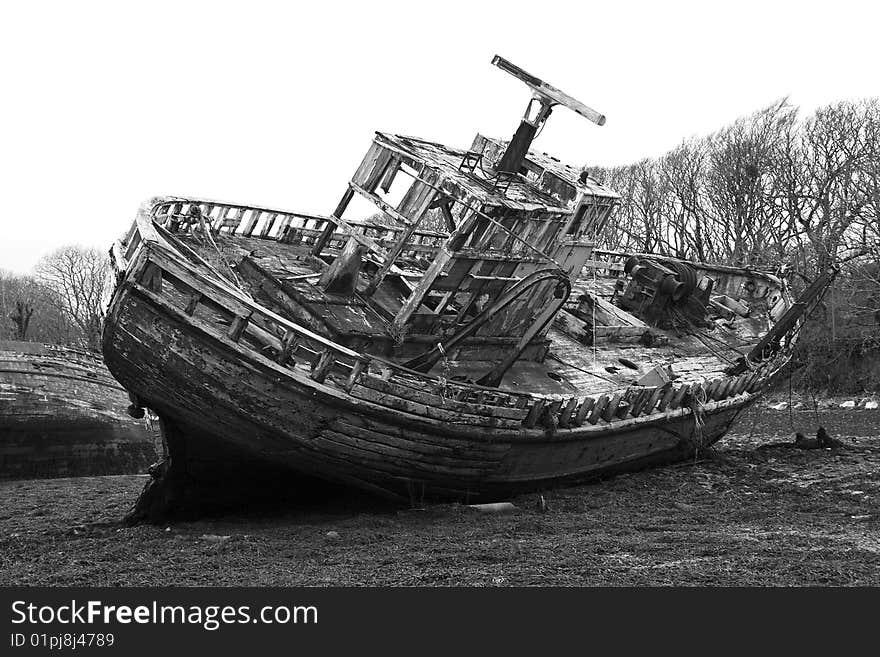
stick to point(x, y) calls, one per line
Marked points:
point(231, 411)
point(62, 414)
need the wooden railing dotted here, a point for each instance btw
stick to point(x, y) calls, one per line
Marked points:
point(284, 226)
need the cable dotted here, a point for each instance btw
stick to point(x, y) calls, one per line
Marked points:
point(580, 369)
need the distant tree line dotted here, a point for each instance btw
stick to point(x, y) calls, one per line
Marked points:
point(60, 303)
point(780, 192)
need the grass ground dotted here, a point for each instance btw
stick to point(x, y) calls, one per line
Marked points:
point(739, 516)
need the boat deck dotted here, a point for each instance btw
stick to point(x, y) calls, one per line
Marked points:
point(577, 360)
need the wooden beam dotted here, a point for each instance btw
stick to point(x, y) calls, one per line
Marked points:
point(332, 222)
point(534, 413)
point(237, 326)
point(565, 415)
point(448, 216)
point(549, 92)
point(668, 394)
point(425, 192)
point(325, 361)
point(598, 408)
point(192, 301)
point(584, 409)
point(289, 344)
point(611, 408)
point(355, 374)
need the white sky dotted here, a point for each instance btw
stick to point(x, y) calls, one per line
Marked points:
point(106, 104)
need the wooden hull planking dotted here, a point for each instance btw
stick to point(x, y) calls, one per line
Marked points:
point(62, 414)
point(179, 343)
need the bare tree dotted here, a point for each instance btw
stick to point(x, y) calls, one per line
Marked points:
point(76, 277)
point(684, 170)
point(741, 181)
point(28, 312)
point(21, 318)
point(823, 178)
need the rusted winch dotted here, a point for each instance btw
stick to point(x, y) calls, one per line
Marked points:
point(657, 288)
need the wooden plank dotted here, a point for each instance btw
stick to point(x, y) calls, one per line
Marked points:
point(711, 388)
point(652, 400)
point(192, 302)
point(585, 407)
point(611, 407)
point(534, 413)
point(372, 167)
point(384, 458)
point(237, 327)
point(415, 451)
point(598, 409)
point(679, 396)
point(270, 222)
point(666, 399)
point(152, 278)
point(726, 387)
point(248, 226)
point(565, 415)
point(332, 222)
point(322, 367)
point(447, 403)
point(430, 413)
point(288, 346)
point(428, 444)
point(641, 400)
point(551, 412)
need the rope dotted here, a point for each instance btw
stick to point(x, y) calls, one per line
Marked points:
point(697, 437)
point(580, 369)
point(593, 305)
point(443, 381)
point(196, 211)
point(702, 337)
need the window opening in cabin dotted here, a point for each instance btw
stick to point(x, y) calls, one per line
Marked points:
point(574, 228)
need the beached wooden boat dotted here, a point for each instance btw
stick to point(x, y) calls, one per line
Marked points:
point(62, 415)
point(462, 340)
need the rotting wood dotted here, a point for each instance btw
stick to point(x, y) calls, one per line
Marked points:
point(641, 401)
point(237, 327)
point(598, 409)
point(534, 414)
point(323, 364)
point(565, 418)
point(584, 410)
point(652, 400)
point(194, 331)
point(192, 302)
point(680, 393)
point(668, 395)
point(289, 344)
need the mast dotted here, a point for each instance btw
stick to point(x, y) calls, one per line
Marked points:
point(544, 98)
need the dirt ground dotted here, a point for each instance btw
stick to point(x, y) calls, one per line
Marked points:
point(739, 516)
